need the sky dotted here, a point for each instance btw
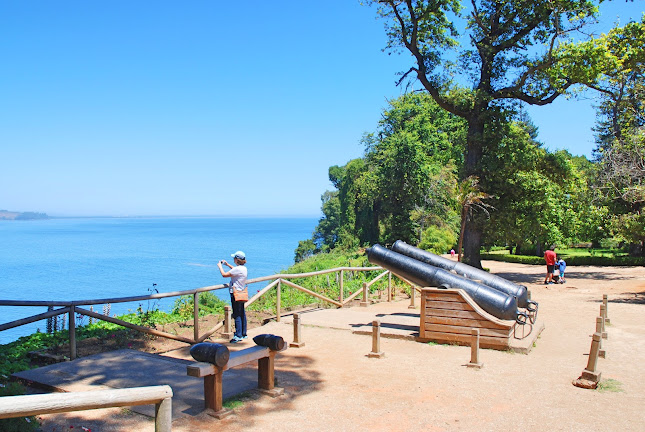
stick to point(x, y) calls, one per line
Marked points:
point(160, 108)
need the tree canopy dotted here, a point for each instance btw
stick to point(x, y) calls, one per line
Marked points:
point(504, 52)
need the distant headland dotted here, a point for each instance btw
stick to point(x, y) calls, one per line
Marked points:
point(11, 215)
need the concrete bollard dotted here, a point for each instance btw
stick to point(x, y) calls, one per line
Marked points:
point(228, 331)
point(376, 340)
point(599, 325)
point(605, 301)
point(603, 314)
point(474, 351)
point(297, 328)
point(590, 377)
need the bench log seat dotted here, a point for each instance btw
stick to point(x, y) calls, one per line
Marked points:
point(212, 375)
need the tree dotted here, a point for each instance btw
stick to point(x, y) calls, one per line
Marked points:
point(470, 198)
point(402, 185)
point(510, 53)
point(620, 131)
point(415, 142)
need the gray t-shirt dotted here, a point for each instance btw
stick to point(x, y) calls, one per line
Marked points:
point(238, 278)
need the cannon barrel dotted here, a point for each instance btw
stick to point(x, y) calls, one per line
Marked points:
point(496, 303)
point(500, 284)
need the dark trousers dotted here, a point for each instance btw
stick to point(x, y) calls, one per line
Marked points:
point(239, 316)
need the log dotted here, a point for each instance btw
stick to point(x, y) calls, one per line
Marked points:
point(29, 405)
point(209, 352)
point(273, 342)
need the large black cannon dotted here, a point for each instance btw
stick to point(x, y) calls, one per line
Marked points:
point(496, 303)
point(500, 284)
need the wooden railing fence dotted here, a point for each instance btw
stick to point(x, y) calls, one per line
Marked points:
point(28, 405)
point(71, 308)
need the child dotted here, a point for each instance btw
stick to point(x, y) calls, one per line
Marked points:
point(562, 265)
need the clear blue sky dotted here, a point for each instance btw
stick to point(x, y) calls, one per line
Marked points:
point(201, 107)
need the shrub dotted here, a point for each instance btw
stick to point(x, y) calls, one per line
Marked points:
point(437, 240)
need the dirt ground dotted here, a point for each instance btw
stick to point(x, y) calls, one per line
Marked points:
point(331, 385)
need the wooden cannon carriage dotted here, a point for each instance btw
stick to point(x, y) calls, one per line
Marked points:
point(449, 315)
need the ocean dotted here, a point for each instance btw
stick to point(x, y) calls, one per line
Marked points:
point(92, 258)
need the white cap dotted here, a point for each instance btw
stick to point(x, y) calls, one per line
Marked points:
point(239, 255)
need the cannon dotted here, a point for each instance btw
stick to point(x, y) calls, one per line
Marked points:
point(496, 303)
point(500, 284)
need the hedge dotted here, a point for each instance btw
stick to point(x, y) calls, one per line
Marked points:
point(624, 261)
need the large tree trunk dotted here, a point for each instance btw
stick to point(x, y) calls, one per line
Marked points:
point(472, 244)
point(472, 235)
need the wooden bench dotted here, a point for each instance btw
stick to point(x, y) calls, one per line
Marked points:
point(212, 375)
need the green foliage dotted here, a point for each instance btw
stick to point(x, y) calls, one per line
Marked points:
point(610, 385)
point(18, 424)
point(305, 249)
point(590, 258)
point(13, 356)
point(325, 284)
point(403, 184)
point(438, 240)
point(509, 51)
point(209, 304)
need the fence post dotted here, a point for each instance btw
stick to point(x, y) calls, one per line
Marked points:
point(599, 324)
point(412, 300)
point(474, 350)
point(590, 377)
point(72, 332)
point(365, 303)
point(603, 312)
point(277, 300)
point(605, 301)
point(389, 286)
point(196, 316)
point(297, 328)
point(342, 287)
point(163, 415)
point(227, 323)
point(376, 340)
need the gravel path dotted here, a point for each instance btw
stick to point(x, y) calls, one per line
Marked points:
point(331, 385)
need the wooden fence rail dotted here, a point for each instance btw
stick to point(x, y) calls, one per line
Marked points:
point(73, 307)
point(29, 405)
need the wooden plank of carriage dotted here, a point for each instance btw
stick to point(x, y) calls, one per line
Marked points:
point(449, 315)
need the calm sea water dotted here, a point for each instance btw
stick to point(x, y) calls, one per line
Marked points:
point(77, 259)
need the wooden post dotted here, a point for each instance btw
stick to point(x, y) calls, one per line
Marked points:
point(605, 301)
point(277, 301)
point(196, 316)
point(389, 286)
point(593, 355)
point(213, 391)
point(590, 378)
point(412, 296)
point(603, 313)
point(297, 342)
point(228, 333)
point(474, 350)
point(599, 324)
point(365, 303)
point(376, 340)
point(266, 376)
point(266, 372)
point(72, 332)
point(342, 288)
point(163, 415)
